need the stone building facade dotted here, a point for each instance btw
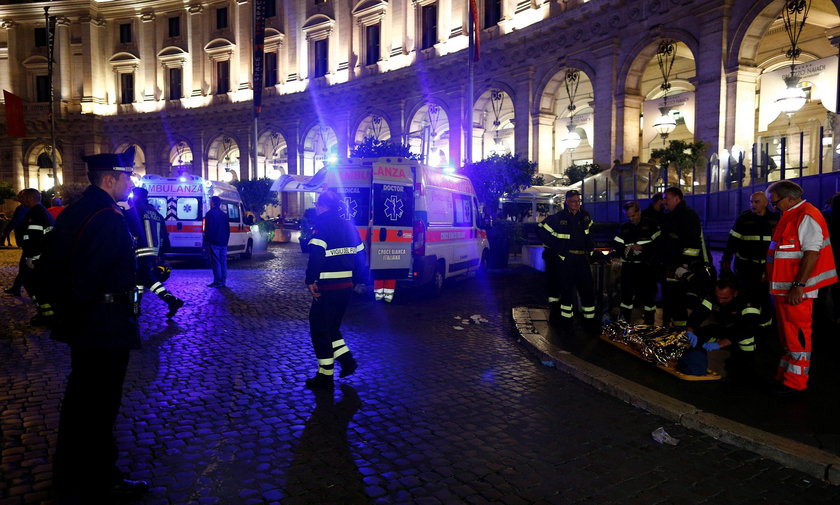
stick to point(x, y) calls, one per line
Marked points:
point(174, 78)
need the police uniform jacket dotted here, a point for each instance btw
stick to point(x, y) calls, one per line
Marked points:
point(565, 233)
point(741, 320)
point(149, 230)
point(644, 234)
point(682, 237)
point(750, 237)
point(90, 257)
point(336, 253)
point(36, 224)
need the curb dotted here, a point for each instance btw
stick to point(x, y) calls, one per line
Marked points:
point(798, 456)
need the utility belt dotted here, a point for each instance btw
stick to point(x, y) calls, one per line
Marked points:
point(131, 297)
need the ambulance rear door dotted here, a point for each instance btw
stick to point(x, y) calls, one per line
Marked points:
point(352, 183)
point(180, 200)
point(392, 217)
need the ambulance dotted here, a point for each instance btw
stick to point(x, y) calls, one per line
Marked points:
point(420, 224)
point(184, 201)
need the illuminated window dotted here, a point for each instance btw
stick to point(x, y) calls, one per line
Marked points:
point(372, 38)
point(125, 33)
point(270, 69)
point(126, 88)
point(429, 26)
point(222, 77)
point(321, 57)
point(174, 27)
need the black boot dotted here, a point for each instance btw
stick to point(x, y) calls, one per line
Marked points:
point(348, 364)
point(174, 304)
point(320, 381)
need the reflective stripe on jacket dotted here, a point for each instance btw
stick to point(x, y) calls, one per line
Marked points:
point(336, 253)
point(785, 253)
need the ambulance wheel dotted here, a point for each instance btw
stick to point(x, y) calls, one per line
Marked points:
point(436, 286)
point(249, 249)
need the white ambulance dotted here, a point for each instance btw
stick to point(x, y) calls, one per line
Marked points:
point(184, 200)
point(420, 224)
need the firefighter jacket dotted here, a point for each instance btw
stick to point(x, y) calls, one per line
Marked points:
point(741, 321)
point(148, 229)
point(750, 237)
point(656, 215)
point(89, 258)
point(565, 233)
point(682, 238)
point(785, 253)
point(644, 234)
point(336, 253)
point(36, 224)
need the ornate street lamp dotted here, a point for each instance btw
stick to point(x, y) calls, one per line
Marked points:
point(665, 56)
point(571, 140)
point(794, 15)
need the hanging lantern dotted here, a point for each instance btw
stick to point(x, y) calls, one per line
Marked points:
point(665, 123)
point(793, 97)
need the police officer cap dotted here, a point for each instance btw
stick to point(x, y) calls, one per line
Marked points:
point(122, 162)
point(571, 193)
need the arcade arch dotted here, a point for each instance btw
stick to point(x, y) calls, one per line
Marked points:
point(272, 155)
point(320, 145)
point(566, 121)
point(39, 164)
point(180, 158)
point(223, 159)
point(373, 125)
point(494, 112)
point(428, 134)
point(139, 157)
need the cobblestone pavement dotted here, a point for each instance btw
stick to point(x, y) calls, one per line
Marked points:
point(215, 411)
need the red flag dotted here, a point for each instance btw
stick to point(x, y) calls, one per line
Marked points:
point(474, 9)
point(14, 115)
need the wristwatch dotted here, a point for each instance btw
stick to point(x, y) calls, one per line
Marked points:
point(798, 284)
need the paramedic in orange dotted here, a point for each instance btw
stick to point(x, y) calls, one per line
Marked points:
point(799, 263)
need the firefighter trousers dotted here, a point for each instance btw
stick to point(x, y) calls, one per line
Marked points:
point(638, 290)
point(674, 303)
point(794, 323)
point(325, 317)
point(574, 277)
point(749, 275)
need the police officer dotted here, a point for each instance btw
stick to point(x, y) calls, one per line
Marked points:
point(727, 320)
point(90, 259)
point(748, 242)
point(569, 248)
point(36, 224)
point(683, 252)
point(336, 262)
point(150, 239)
point(635, 245)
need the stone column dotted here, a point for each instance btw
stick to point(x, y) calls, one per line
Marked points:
point(522, 103)
point(834, 38)
point(628, 110)
point(11, 74)
point(604, 106)
point(93, 72)
point(194, 76)
point(710, 100)
point(456, 130)
point(740, 109)
point(240, 65)
point(147, 77)
point(64, 60)
point(544, 141)
point(16, 148)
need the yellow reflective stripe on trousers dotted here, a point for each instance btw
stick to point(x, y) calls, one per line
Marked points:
point(691, 252)
point(748, 344)
point(344, 274)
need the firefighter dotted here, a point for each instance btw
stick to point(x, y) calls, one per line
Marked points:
point(566, 236)
point(800, 261)
point(683, 252)
point(90, 259)
point(727, 320)
point(635, 246)
point(36, 224)
point(336, 262)
point(748, 241)
point(656, 209)
point(150, 241)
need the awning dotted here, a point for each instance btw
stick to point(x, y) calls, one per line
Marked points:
point(300, 183)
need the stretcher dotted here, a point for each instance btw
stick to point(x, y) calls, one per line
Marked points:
point(710, 375)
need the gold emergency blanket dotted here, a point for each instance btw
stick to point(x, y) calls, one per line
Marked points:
point(657, 344)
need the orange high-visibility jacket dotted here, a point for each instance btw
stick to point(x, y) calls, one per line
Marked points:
point(785, 253)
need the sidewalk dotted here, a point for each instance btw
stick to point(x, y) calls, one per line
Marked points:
point(803, 434)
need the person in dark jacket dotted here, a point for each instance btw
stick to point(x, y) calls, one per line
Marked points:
point(683, 252)
point(727, 320)
point(15, 226)
point(151, 240)
point(36, 224)
point(832, 294)
point(748, 242)
point(568, 250)
point(655, 210)
point(216, 236)
point(635, 245)
point(336, 263)
point(90, 258)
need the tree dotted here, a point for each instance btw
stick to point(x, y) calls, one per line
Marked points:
point(256, 194)
point(577, 173)
point(373, 148)
point(683, 155)
point(6, 191)
point(497, 175)
point(69, 193)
